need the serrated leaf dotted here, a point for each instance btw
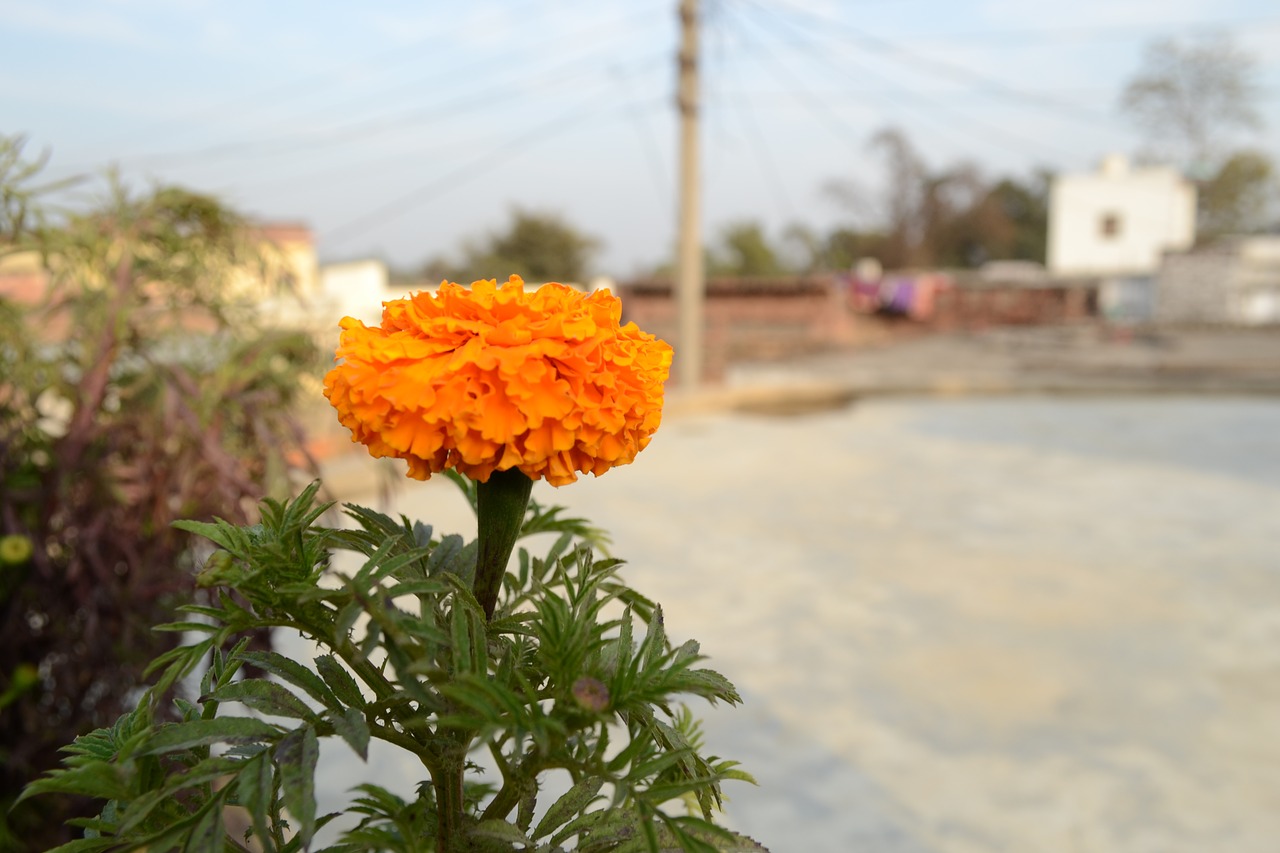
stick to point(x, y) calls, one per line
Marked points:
point(296, 756)
point(294, 673)
point(95, 779)
point(446, 555)
point(707, 683)
point(352, 727)
point(206, 835)
point(204, 772)
point(87, 845)
point(254, 790)
point(186, 735)
point(219, 532)
point(577, 798)
point(392, 566)
point(421, 534)
point(340, 681)
point(263, 696)
point(604, 825)
point(460, 637)
point(500, 830)
point(182, 627)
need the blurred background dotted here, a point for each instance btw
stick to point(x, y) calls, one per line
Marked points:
point(971, 468)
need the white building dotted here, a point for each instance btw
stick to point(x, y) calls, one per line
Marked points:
point(1120, 220)
point(356, 289)
point(1234, 281)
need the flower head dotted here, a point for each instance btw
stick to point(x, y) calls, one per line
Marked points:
point(492, 378)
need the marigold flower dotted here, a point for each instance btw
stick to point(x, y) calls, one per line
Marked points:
point(492, 378)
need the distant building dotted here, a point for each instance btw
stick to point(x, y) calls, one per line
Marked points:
point(356, 289)
point(288, 254)
point(1120, 220)
point(1235, 281)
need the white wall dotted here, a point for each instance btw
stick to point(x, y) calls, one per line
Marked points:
point(1153, 210)
point(355, 289)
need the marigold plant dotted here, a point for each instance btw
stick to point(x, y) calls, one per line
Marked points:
point(494, 378)
point(449, 650)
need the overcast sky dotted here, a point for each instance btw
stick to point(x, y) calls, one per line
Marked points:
point(403, 128)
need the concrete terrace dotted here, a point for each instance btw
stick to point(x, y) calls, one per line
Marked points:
point(980, 621)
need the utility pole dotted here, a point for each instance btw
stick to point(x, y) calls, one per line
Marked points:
point(690, 286)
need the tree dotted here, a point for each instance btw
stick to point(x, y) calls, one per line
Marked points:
point(903, 215)
point(1239, 197)
point(1189, 96)
point(536, 246)
point(138, 390)
point(745, 251)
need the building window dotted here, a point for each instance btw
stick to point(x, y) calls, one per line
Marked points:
point(1109, 226)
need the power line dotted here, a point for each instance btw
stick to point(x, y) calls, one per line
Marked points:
point(630, 102)
point(508, 150)
point(932, 112)
point(828, 28)
point(292, 143)
point(1125, 32)
point(288, 144)
point(586, 36)
point(262, 98)
point(648, 141)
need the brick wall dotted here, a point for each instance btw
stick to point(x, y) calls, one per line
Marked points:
point(749, 319)
point(772, 319)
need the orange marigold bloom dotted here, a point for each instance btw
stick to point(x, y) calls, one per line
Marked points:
point(491, 378)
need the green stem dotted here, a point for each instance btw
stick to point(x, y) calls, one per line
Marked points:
point(500, 507)
point(450, 803)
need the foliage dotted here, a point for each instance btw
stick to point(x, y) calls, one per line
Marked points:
point(1240, 197)
point(17, 196)
point(537, 246)
point(745, 251)
point(574, 672)
point(136, 389)
point(1189, 95)
point(953, 217)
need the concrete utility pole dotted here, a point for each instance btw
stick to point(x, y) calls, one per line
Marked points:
point(690, 287)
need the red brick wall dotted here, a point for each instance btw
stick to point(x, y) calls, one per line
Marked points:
point(749, 319)
point(769, 319)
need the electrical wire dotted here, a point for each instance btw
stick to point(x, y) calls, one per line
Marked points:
point(288, 144)
point(648, 142)
point(829, 28)
point(512, 148)
point(899, 98)
point(270, 97)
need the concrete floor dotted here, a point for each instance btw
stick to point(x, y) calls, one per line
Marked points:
point(1006, 625)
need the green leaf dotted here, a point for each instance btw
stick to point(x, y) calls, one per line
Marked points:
point(186, 735)
point(460, 635)
point(500, 830)
point(255, 790)
point(219, 532)
point(352, 727)
point(294, 673)
point(296, 757)
point(603, 826)
point(206, 835)
point(95, 779)
point(204, 772)
point(654, 646)
point(340, 681)
point(182, 627)
point(453, 555)
point(570, 804)
point(263, 696)
point(87, 845)
point(707, 683)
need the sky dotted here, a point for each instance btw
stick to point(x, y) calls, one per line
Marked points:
point(403, 129)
